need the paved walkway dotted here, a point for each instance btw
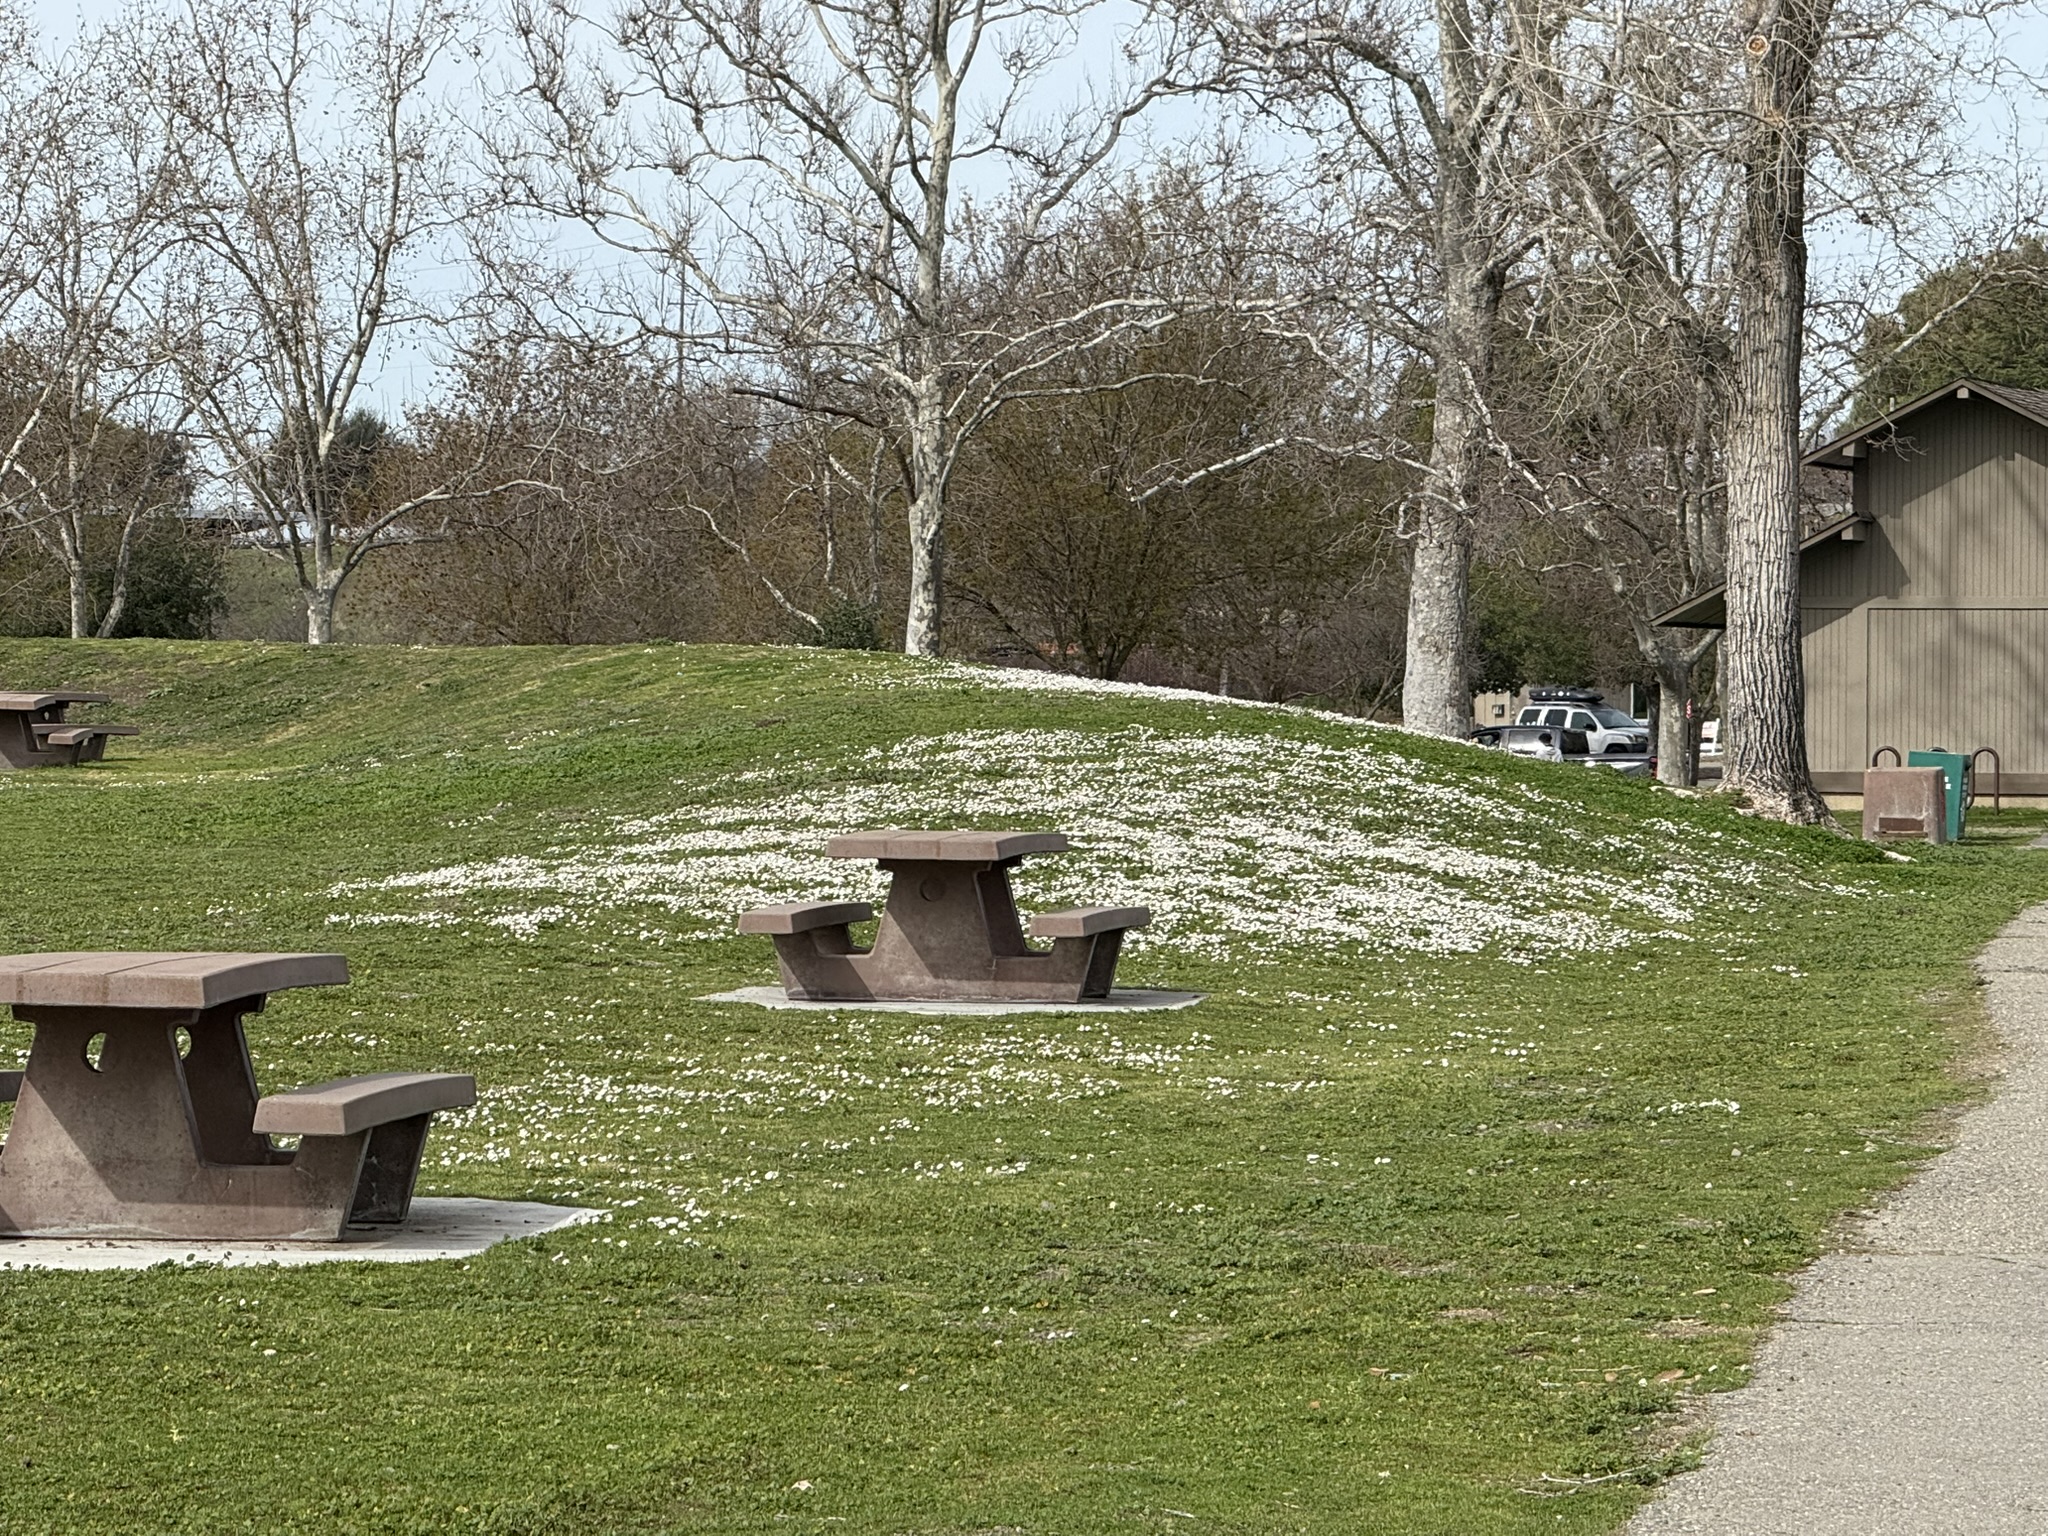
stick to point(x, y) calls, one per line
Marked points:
point(1906, 1393)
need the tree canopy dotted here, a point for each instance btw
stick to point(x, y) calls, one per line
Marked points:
point(1985, 318)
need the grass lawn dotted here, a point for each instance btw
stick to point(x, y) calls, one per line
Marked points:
point(1518, 1091)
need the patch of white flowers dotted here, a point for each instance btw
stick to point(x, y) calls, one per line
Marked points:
point(1242, 843)
point(1688, 1106)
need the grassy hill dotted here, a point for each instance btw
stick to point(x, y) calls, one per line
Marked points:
point(1517, 1089)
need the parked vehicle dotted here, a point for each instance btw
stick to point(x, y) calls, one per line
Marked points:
point(1573, 746)
point(1583, 709)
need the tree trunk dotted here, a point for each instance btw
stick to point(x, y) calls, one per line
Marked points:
point(1674, 722)
point(320, 615)
point(116, 605)
point(1675, 664)
point(320, 593)
point(1763, 683)
point(117, 598)
point(927, 574)
point(1436, 694)
point(81, 598)
point(921, 630)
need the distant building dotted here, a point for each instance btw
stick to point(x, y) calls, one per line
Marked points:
point(1924, 608)
point(1496, 708)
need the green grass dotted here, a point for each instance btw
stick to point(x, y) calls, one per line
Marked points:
point(1378, 1238)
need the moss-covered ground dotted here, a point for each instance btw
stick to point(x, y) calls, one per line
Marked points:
point(1519, 1091)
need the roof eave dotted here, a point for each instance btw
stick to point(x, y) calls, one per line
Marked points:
point(1709, 609)
point(1843, 452)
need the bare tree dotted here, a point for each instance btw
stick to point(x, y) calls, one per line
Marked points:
point(1615, 423)
point(1861, 100)
point(799, 500)
point(1762, 675)
point(1413, 109)
point(577, 538)
point(1683, 155)
point(89, 417)
point(26, 103)
point(319, 177)
point(865, 200)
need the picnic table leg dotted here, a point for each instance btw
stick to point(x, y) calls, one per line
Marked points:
point(91, 1140)
point(951, 930)
point(1073, 970)
point(145, 1144)
point(1098, 968)
point(1000, 919)
point(18, 742)
point(328, 1171)
point(820, 963)
point(942, 928)
point(220, 1082)
point(391, 1166)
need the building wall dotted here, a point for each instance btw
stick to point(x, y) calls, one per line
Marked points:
point(1834, 652)
point(1933, 630)
point(1496, 708)
point(1961, 507)
point(1962, 678)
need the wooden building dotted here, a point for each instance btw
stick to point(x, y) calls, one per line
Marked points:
point(1924, 607)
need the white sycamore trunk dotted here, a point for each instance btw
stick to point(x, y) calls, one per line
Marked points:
point(1436, 693)
point(921, 630)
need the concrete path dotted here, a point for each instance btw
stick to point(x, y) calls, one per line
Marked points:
point(1906, 1393)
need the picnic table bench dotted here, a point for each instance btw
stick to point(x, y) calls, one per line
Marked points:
point(35, 734)
point(950, 930)
point(138, 1116)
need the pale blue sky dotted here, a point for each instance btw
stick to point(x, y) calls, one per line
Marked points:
point(2011, 123)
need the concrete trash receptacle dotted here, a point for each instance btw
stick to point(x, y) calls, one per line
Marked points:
point(1905, 802)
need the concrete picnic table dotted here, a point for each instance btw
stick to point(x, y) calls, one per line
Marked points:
point(35, 734)
point(950, 929)
point(137, 1114)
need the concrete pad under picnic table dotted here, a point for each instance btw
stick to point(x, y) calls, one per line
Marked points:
point(1121, 1000)
point(435, 1228)
point(1905, 1392)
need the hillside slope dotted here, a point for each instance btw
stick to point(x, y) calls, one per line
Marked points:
point(1517, 1086)
point(702, 781)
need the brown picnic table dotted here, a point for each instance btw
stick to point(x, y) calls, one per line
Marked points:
point(138, 1116)
point(35, 734)
point(950, 930)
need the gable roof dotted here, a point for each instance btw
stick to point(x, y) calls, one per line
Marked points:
point(1709, 609)
point(1836, 454)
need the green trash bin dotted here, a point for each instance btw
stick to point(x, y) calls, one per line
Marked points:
point(1955, 773)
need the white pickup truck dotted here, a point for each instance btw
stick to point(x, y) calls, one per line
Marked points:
point(1581, 709)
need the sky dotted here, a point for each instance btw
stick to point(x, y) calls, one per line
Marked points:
point(2009, 124)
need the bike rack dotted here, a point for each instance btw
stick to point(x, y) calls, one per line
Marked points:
point(1898, 757)
point(1995, 775)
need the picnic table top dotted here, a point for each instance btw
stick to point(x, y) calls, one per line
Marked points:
point(166, 979)
point(965, 847)
point(23, 700)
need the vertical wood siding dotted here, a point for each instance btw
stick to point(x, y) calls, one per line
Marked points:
point(1960, 502)
point(1962, 507)
point(1834, 652)
point(1961, 678)
point(1831, 575)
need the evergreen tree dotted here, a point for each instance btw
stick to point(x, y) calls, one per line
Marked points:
point(1984, 319)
